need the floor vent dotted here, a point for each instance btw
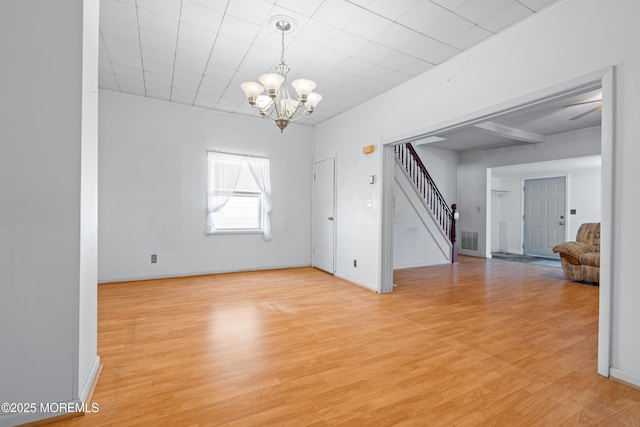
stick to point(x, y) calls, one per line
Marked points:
point(469, 240)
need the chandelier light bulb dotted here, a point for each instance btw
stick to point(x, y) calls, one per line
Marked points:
point(271, 83)
point(313, 99)
point(252, 90)
point(303, 87)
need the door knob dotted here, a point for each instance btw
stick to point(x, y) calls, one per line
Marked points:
point(561, 223)
point(330, 218)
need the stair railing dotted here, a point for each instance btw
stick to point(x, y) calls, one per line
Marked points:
point(444, 215)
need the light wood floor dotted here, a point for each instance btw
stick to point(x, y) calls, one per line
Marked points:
point(485, 342)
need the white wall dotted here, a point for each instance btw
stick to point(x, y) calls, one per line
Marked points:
point(48, 195)
point(442, 165)
point(584, 194)
point(548, 50)
point(502, 190)
point(152, 186)
point(88, 362)
point(510, 211)
point(357, 220)
point(413, 243)
point(506, 215)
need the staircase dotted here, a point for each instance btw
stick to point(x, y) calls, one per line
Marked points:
point(427, 191)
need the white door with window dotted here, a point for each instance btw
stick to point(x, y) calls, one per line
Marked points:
point(544, 215)
point(324, 215)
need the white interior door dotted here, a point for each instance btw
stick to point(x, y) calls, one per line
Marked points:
point(324, 215)
point(544, 215)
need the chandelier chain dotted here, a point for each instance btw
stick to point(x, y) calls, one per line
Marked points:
point(282, 55)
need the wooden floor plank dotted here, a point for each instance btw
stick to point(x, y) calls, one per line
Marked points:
point(484, 342)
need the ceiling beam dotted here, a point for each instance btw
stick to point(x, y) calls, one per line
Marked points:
point(511, 133)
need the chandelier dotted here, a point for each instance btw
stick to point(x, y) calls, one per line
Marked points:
point(277, 105)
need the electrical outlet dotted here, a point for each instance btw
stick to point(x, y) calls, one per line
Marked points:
point(355, 263)
point(154, 258)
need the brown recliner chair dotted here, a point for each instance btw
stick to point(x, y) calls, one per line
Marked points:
point(581, 259)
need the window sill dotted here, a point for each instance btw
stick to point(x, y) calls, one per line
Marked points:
point(212, 233)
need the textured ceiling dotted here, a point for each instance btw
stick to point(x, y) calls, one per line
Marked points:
point(528, 125)
point(198, 52)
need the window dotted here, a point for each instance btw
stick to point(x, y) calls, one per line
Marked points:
point(238, 194)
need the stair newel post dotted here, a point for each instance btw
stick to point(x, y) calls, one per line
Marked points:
point(454, 219)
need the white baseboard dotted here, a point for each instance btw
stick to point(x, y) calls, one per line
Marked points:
point(402, 267)
point(625, 376)
point(195, 273)
point(87, 388)
point(362, 285)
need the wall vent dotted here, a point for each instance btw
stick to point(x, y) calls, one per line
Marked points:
point(469, 240)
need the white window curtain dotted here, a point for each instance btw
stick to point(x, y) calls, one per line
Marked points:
point(223, 180)
point(259, 168)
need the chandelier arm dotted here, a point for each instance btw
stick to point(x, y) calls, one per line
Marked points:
point(270, 111)
point(267, 112)
point(291, 117)
point(280, 113)
point(301, 111)
point(270, 118)
point(297, 118)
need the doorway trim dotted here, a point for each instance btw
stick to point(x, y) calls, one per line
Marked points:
point(603, 78)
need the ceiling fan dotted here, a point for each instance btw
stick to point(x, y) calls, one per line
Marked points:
point(597, 108)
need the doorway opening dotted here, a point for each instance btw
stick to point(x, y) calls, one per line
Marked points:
point(601, 80)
